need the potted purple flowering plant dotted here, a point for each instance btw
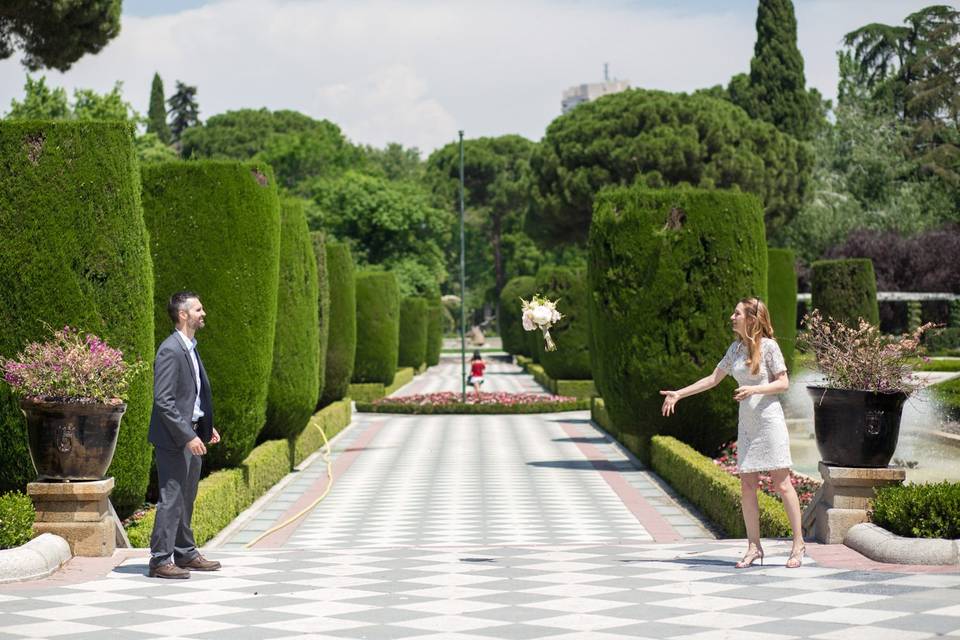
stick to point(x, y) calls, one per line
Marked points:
point(868, 377)
point(72, 389)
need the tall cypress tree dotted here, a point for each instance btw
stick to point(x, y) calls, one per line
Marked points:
point(157, 115)
point(777, 86)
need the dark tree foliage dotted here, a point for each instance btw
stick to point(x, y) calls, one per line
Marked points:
point(775, 91)
point(157, 114)
point(56, 33)
point(184, 111)
point(658, 139)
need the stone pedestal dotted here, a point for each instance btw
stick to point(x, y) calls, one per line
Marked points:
point(843, 499)
point(78, 512)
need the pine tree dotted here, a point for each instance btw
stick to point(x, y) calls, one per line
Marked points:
point(184, 111)
point(777, 87)
point(157, 115)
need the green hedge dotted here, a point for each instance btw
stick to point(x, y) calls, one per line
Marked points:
point(318, 240)
point(515, 339)
point(945, 341)
point(845, 290)
point(434, 332)
point(712, 490)
point(378, 327)
point(294, 378)
point(919, 510)
point(74, 250)
point(342, 334)
point(666, 268)
point(571, 360)
point(370, 391)
point(223, 495)
point(947, 393)
point(474, 409)
point(16, 519)
point(583, 389)
point(782, 300)
point(412, 351)
point(215, 229)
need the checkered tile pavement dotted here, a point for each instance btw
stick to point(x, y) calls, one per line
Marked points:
point(562, 592)
point(480, 527)
point(498, 376)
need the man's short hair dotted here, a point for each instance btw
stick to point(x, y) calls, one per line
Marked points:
point(178, 302)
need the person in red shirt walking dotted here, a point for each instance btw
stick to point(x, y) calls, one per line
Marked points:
point(477, 366)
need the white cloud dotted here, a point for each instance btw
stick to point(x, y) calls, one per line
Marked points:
point(417, 71)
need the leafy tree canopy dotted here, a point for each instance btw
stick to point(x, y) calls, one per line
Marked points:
point(42, 103)
point(660, 139)
point(56, 33)
point(299, 148)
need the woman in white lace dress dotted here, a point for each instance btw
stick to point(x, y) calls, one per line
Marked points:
point(763, 444)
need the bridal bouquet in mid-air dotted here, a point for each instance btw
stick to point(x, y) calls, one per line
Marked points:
point(540, 313)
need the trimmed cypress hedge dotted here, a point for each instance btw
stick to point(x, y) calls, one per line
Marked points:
point(782, 299)
point(342, 331)
point(515, 339)
point(294, 385)
point(215, 229)
point(571, 360)
point(666, 268)
point(413, 332)
point(74, 250)
point(378, 327)
point(845, 290)
point(434, 331)
point(319, 242)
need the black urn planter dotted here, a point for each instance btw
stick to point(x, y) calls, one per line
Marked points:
point(71, 441)
point(856, 428)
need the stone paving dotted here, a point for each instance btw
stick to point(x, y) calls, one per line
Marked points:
point(477, 527)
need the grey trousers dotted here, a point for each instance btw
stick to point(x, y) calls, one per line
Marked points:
point(178, 472)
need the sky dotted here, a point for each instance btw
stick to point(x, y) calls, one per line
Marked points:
point(417, 71)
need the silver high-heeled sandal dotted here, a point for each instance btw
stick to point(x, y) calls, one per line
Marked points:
point(796, 558)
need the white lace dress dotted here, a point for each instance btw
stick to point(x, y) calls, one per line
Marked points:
point(763, 443)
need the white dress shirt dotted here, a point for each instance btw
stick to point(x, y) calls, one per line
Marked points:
point(191, 345)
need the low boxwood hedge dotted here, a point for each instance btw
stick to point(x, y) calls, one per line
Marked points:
point(919, 510)
point(16, 519)
point(222, 495)
point(474, 409)
point(370, 391)
point(712, 490)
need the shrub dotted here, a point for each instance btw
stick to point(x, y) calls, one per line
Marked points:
point(74, 250)
point(434, 332)
point(319, 243)
point(215, 229)
point(515, 339)
point(947, 393)
point(666, 268)
point(16, 519)
point(782, 299)
point(332, 419)
point(342, 334)
point(412, 351)
point(571, 360)
point(845, 290)
point(944, 341)
point(378, 327)
point(712, 490)
point(293, 391)
point(919, 510)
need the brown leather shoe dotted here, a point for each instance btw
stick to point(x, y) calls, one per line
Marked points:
point(199, 563)
point(168, 570)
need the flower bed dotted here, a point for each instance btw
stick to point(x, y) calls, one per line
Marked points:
point(494, 402)
point(806, 487)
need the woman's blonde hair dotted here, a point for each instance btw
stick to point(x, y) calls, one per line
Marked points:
point(757, 327)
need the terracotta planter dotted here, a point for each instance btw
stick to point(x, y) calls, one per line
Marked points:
point(856, 428)
point(71, 441)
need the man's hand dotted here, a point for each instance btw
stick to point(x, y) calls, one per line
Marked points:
point(215, 438)
point(669, 402)
point(742, 393)
point(196, 447)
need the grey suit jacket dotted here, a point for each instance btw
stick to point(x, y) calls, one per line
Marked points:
point(174, 394)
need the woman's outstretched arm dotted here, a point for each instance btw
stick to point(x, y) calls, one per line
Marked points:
point(708, 382)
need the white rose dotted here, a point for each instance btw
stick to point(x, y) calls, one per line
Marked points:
point(542, 315)
point(528, 324)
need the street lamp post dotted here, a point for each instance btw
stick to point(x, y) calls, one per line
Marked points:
point(463, 291)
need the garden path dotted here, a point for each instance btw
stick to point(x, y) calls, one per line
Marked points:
point(479, 527)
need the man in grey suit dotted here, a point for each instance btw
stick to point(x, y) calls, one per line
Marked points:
point(180, 425)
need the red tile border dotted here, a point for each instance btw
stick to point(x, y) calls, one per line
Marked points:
point(651, 520)
point(839, 556)
point(278, 538)
point(78, 570)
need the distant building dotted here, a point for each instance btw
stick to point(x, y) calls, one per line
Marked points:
point(587, 92)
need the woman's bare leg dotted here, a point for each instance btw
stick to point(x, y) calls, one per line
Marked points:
point(783, 486)
point(749, 483)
